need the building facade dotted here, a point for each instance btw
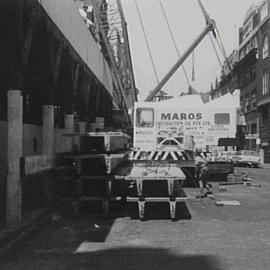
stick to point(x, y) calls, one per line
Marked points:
point(250, 73)
point(254, 78)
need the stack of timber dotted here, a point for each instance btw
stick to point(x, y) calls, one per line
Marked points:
point(94, 157)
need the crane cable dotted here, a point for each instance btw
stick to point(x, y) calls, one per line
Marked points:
point(146, 41)
point(222, 48)
point(217, 37)
point(215, 50)
point(174, 42)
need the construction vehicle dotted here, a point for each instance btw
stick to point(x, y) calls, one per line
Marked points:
point(167, 132)
point(165, 135)
point(183, 123)
point(173, 128)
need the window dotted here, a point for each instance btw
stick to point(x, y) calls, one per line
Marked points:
point(145, 117)
point(242, 79)
point(253, 128)
point(222, 118)
point(264, 113)
point(255, 42)
point(242, 54)
point(252, 73)
point(247, 104)
point(264, 10)
point(265, 82)
point(265, 50)
point(242, 104)
point(253, 100)
point(247, 79)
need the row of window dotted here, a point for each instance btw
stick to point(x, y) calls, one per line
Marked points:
point(253, 44)
point(254, 17)
point(246, 77)
point(248, 102)
point(251, 128)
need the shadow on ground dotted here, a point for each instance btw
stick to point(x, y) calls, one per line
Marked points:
point(148, 258)
point(117, 258)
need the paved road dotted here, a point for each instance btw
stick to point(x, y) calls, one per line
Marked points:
point(206, 236)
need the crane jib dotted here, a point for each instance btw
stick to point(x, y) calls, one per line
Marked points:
point(209, 27)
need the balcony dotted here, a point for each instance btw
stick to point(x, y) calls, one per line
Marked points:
point(249, 59)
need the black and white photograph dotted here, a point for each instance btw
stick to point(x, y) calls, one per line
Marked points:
point(134, 135)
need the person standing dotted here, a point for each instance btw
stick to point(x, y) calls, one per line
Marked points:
point(201, 172)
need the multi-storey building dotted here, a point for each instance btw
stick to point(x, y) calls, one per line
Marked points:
point(228, 77)
point(254, 78)
point(263, 97)
point(250, 73)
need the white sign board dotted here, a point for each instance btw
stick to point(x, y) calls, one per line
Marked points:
point(206, 126)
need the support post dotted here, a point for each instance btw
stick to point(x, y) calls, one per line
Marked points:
point(14, 153)
point(48, 132)
point(82, 126)
point(69, 123)
point(69, 128)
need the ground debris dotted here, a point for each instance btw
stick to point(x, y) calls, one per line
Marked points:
point(211, 196)
point(222, 188)
point(252, 185)
point(231, 183)
point(223, 203)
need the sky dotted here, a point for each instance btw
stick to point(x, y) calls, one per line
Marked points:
point(187, 22)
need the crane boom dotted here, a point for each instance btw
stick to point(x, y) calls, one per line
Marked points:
point(210, 26)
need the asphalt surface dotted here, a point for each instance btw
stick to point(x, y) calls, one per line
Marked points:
point(205, 236)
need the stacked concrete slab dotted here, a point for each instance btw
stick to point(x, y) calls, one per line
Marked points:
point(94, 157)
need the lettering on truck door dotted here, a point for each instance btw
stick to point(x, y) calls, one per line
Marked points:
point(144, 138)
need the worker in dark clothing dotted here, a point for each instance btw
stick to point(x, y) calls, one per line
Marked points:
point(201, 172)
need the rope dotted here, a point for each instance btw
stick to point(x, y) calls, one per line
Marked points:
point(174, 42)
point(146, 41)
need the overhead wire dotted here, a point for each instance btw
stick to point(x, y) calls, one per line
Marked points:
point(173, 39)
point(146, 40)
